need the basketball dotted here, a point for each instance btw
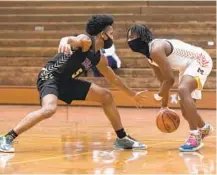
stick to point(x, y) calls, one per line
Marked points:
point(167, 121)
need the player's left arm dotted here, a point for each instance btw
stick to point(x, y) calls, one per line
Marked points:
point(158, 55)
point(80, 41)
point(118, 82)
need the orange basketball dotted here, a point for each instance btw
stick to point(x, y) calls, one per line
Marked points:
point(167, 121)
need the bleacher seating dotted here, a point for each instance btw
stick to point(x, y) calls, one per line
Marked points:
point(30, 32)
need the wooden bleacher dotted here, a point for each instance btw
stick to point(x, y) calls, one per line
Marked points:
point(30, 32)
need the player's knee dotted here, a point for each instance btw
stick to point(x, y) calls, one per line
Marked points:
point(49, 110)
point(183, 91)
point(106, 96)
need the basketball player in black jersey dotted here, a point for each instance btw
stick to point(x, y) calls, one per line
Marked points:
point(57, 80)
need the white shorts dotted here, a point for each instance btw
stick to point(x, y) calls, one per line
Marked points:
point(200, 72)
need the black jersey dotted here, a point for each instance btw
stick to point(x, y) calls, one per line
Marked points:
point(64, 66)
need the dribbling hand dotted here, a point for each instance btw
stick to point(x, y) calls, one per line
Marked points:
point(166, 108)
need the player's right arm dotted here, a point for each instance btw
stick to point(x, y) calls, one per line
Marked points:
point(80, 41)
point(158, 55)
point(157, 73)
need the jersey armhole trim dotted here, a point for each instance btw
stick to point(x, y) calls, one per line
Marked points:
point(172, 48)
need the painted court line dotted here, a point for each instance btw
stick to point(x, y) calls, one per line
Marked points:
point(74, 155)
point(48, 158)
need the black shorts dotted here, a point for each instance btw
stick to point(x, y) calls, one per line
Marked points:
point(67, 90)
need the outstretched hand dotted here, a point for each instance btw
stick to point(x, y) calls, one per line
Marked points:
point(140, 98)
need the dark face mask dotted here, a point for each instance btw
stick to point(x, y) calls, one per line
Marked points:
point(137, 45)
point(108, 43)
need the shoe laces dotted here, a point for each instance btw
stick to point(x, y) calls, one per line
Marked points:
point(9, 142)
point(132, 138)
point(191, 139)
point(205, 130)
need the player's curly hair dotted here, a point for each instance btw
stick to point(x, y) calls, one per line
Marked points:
point(142, 31)
point(98, 23)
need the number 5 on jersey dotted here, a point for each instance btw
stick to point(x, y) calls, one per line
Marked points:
point(77, 73)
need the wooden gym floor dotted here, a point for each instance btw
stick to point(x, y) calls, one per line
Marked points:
point(78, 140)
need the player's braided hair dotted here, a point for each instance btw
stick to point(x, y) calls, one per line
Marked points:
point(98, 23)
point(142, 32)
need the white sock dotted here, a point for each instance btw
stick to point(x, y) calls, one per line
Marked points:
point(195, 132)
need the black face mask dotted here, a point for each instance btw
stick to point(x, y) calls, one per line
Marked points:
point(137, 45)
point(108, 43)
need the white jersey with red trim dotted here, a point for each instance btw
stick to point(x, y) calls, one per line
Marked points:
point(183, 54)
point(189, 60)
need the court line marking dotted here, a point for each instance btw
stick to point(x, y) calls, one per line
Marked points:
point(48, 158)
point(157, 140)
point(54, 136)
point(172, 141)
point(74, 155)
point(162, 143)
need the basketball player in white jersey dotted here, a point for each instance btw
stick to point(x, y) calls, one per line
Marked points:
point(194, 65)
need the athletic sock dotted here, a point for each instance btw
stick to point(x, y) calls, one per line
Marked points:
point(11, 135)
point(121, 133)
point(195, 132)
